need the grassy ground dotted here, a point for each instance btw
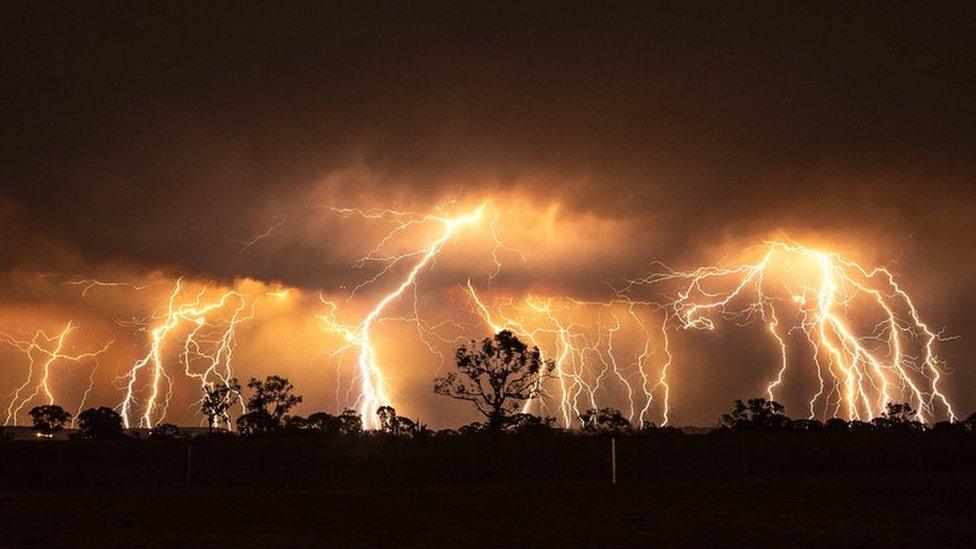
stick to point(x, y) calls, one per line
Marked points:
point(934, 511)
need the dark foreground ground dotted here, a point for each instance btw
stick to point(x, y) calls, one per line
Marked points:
point(929, 510)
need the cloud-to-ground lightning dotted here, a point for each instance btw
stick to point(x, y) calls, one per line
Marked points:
point(855, 327)
point(593, 367)
point(206, 329)
point(374, 392)
point(43, 352)
point(861, 329)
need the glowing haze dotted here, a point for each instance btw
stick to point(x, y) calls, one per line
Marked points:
point(679, 207)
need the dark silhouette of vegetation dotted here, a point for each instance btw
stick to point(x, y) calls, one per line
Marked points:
point(807, 425)
point(400, 426)
point(217, 400)
point(49, 419)
point(295, 424)
point(836, 425)
point(496, 376)
point(324, 423)
point(898, 417)
point(603, 421)
point(649, 428)
point(268, 406)
point(350, 423)
point(970, 422)
point(165, 431)
point(5, 435)
point(756, 413)
point(532, 425)
point(474, 428)
point(765, 441)
point(949, 426)
point(101, 423)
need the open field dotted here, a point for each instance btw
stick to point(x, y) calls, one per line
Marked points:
point(933, 510)
point(790, 489)
point(378, 461)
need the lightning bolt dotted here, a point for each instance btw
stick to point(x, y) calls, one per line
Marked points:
point(373, 390)
point(859, 371)
point(87, 285)
point(585, 353)
point(206, 354)
point(43, 352)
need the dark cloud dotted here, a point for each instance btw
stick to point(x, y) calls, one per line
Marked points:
point(158, 135)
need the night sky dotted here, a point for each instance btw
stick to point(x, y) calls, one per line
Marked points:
point(150, 141)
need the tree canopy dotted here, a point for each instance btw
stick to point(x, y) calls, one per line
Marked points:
point(49, 418)
point(496, 375)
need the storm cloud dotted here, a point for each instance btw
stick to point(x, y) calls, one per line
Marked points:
point(158, 138)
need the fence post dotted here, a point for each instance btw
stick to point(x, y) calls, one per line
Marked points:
point(189, 463)
point(613, 461)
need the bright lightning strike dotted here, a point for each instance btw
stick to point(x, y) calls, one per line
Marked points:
point(863, 331)
point(206, 351)
point(583, 338)
point(373, 390)
point(43, 352)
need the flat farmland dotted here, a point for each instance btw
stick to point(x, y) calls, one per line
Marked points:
point(930, 510)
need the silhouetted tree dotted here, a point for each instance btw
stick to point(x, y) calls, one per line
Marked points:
point(326, 424)
point(970, 422)
point(49, 419)
point(857, 426)
point(898, 417)
point(757, 413)
point(268, 406)
point(604, 420)
point(807, 426)
point(473, 428)
point(399, 426)
point(296, 424)
point(532, 425)
point(165, 431)
point(350, 423)
point(949, 427)
point(497, 376)
point(651, 429)
point(275, 395)
point(101, 423)
point(5, 435)
point(836, 425)
point(258, 422)
point(217, 400)
point(388, 418)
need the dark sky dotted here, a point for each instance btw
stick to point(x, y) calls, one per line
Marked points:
point(156, 136)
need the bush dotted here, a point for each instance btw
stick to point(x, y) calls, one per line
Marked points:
point(100, 424)
point(165, 431)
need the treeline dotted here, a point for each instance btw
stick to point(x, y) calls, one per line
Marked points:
point(496, 376)
point(268, 416)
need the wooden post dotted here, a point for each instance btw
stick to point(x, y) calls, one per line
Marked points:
point(189, 463)
point(613, 461)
